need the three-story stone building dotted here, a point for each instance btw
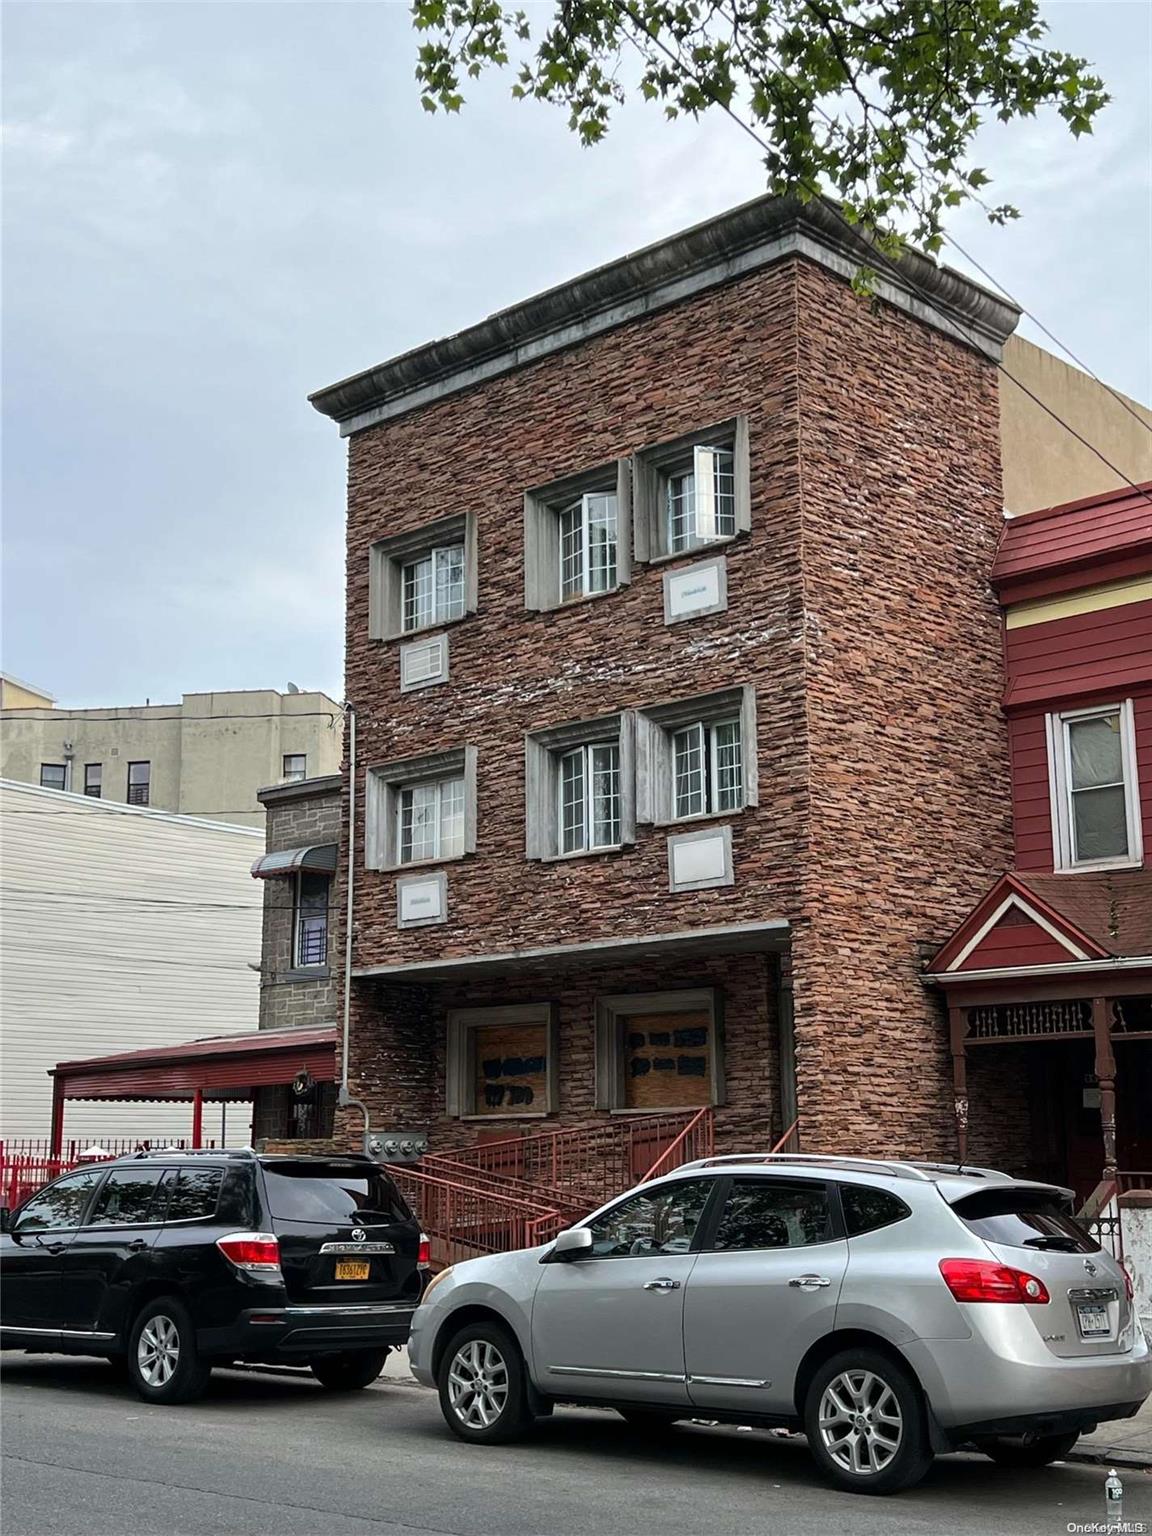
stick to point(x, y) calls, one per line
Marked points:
point(677, 687)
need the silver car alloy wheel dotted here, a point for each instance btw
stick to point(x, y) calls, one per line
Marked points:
point(478, 1384)
point(860, 1422)
point(158, 1350)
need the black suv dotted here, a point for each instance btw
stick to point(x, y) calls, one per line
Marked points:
point(169, 1263)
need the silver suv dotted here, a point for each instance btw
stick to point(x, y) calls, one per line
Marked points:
point(889, 1310)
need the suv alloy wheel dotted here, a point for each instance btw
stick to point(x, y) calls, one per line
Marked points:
point(164, 1364)
point(865, 1423)
point(483, 1385)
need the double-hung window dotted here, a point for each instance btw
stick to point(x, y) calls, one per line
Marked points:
point(697, 757)
point(577, 537)
point(433, 587)
point(53, 776)
point(589, 795)
point(139, 783)
point(421, 810)
point(423, 578)
point(581, 787)
point(588, 546)
point(431, 821)
point(701, 499)
point(1095, 800)
point(707, 769)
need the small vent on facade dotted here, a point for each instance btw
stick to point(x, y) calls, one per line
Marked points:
point(423, 662)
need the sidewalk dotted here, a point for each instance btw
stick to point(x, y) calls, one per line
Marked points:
point(1120, 1443)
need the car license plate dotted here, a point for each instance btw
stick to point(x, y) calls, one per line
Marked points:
point(347, 1270)
point(1093, 1321)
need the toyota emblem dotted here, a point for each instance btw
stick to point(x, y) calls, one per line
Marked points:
point(358, 1234)
point(1089, 1266)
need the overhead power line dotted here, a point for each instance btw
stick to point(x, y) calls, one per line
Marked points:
point(904, 277)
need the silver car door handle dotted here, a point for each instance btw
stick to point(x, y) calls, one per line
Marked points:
point(663, 1284)
point(809, 1282)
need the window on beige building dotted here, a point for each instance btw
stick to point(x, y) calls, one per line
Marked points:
point(139, 783)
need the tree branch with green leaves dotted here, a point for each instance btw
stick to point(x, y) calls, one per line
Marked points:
point(876, 102)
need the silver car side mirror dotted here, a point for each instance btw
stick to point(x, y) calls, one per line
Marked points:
point(572, 1244)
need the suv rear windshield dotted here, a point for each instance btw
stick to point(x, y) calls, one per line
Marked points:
point(327, 1193)
point(1019, 1219)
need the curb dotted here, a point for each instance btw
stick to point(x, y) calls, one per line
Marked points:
point(1131, 1460)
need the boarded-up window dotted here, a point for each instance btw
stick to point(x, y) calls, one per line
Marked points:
point(667, 1061)
point(511, 1068)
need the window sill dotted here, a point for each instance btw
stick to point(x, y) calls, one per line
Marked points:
point(564, 604)
point(529, 1114)
point(703, 819)
point(667, 556)
point(418, 865)
point(666, 1109)
point(307, 973)
point(424, 629)
point(581, 853)
point(1097, 866)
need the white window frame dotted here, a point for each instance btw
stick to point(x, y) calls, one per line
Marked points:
point(656, 730)
point(1060, 787)
point(582, 507)
point(437, 788)
point(613, 1015)
point(544, 752)
point(654, 469)
point(389, 558)
point(384, 784)
point(586, 753)
point(437, 556)
point(460, 1072)
point(544, 511)
point(292, 776)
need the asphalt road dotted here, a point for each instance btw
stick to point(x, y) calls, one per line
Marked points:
point(277, 1456)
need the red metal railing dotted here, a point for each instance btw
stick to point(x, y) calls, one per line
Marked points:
point(697, 1139)
point(25, 1167)
point(588, 1164)
point(462, 1221)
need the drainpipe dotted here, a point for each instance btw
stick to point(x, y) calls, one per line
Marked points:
point(344, 1098)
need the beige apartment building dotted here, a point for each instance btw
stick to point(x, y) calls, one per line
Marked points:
point(1043, 463)
point(205, 756)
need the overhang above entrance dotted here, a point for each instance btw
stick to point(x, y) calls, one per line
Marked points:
point(732, 939)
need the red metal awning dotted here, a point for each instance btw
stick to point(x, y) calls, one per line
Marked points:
point(223, 1061)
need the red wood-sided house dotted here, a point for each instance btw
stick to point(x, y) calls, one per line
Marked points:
point(1049, 979)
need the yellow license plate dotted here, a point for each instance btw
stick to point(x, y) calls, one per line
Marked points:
point(347, 1270)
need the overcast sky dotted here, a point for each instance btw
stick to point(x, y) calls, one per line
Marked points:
point(214, 208)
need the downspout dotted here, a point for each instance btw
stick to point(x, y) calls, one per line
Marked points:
point(344, 1098)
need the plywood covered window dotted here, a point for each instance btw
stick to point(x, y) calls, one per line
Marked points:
point(659, 1051)
point(502, 1061)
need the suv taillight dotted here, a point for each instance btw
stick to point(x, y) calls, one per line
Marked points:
point(424, 1252)
point(256, 1252)
point(984, 1280)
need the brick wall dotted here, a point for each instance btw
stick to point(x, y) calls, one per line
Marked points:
point(1000, 1088)
point(289, 997)
point(858, 608)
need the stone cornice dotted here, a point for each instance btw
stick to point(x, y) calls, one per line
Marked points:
point(755, 235)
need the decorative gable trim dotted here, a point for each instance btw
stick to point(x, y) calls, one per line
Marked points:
point(1010, 894)
point(1013, 900)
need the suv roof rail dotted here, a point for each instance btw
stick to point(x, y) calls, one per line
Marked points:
point(898, 1168)
point(194, 1152)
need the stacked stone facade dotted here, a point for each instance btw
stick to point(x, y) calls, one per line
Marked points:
point(858, 609)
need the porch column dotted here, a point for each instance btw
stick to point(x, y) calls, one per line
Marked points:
point(197, 1118)
point(958, 1030)
point(1106, 1076)
point(57, 1142)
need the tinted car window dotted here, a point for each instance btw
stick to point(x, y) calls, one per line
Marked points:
point(313, 1192)
point(1018, 1219)
point(663, 1222)
point(194, 1194)
point(128, 1196)
point(61, 1205)
point(866, 1209)
point(761, 1213)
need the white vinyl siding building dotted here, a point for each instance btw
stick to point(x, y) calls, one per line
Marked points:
point(121, 928)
